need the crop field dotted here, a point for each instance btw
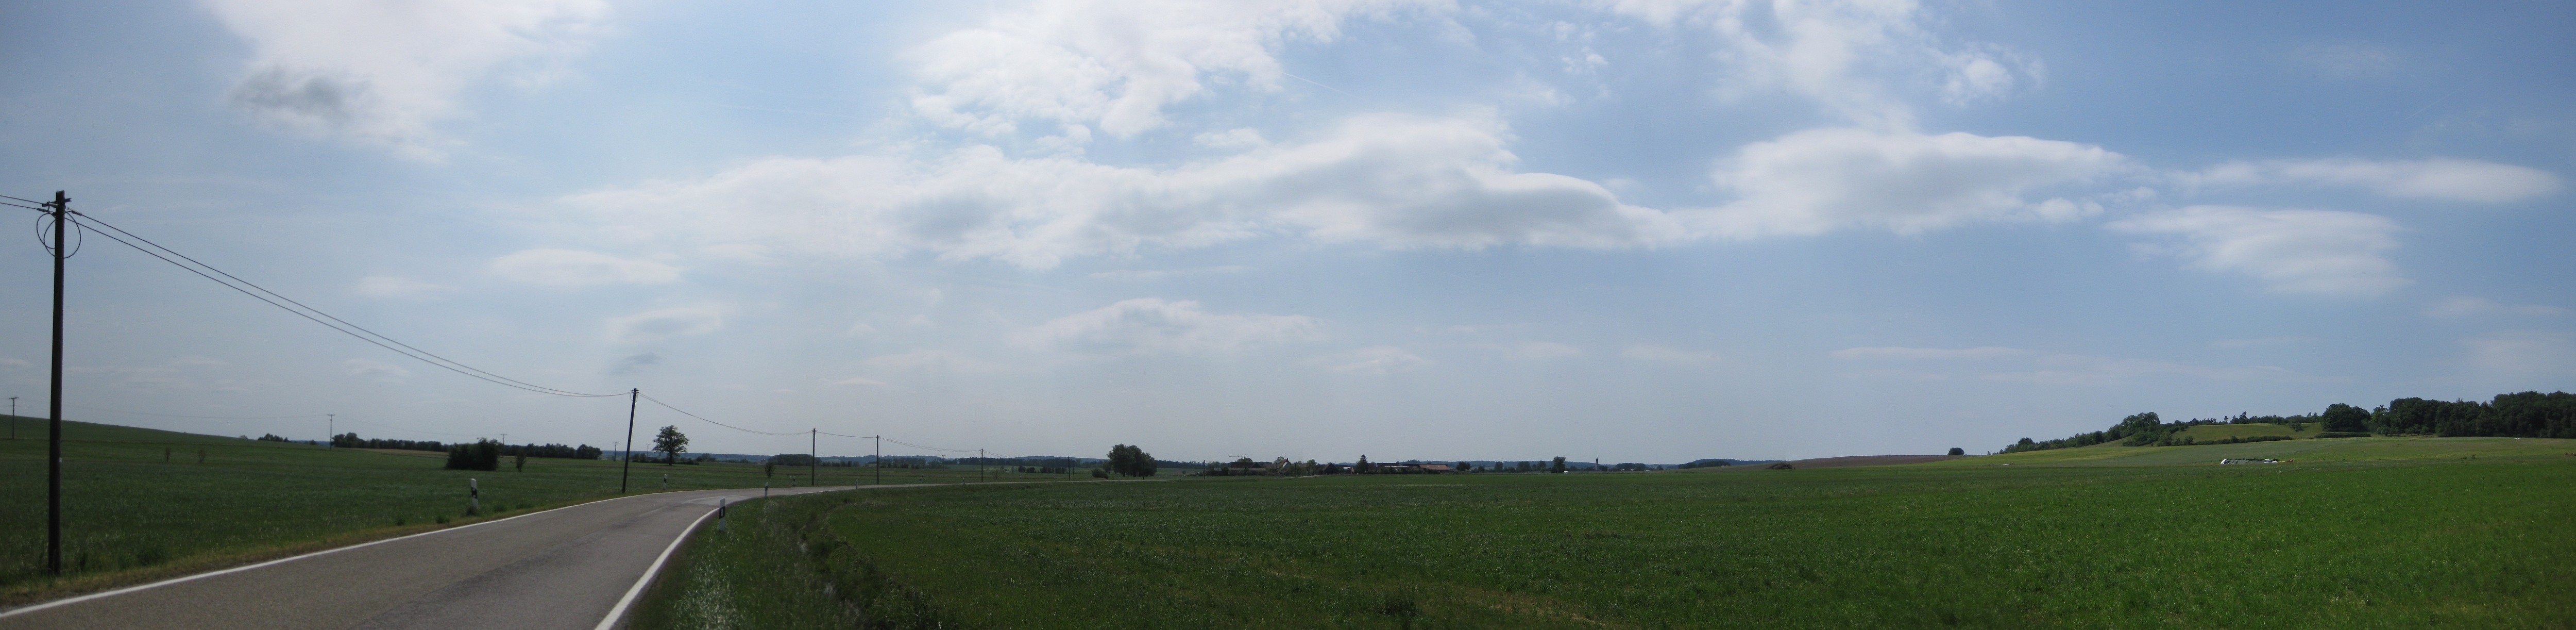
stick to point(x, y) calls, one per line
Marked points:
point(139, 504)
point(2479, 538)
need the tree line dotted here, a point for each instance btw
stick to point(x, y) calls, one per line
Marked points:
point(2526, 414)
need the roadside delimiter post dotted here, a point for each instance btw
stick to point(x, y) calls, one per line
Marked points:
point(473, 498)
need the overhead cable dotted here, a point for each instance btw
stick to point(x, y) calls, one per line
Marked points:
point(301, 310)
point(665, 405)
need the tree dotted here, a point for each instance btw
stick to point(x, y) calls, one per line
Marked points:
point(1131, 461)
point(1557, 466)
point(2343, 417)
point(670, 443)
point(1956, 451)
point(1362, 467)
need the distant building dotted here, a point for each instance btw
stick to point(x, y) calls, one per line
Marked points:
point(1435, 468)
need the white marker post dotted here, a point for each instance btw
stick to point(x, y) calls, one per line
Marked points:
point(720, 514)
point(666, 482)
point(473, 497)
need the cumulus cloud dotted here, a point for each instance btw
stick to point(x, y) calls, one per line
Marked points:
point(1820, 180)
point(381, 72)
point(662, 324)
point(575, 268)
point(1396, 181)
point(2446, 179)
point(2473, 307)
point(1844, 54)
point(1373, 360)
point(1154, 326)
point(2321, 252)
point(1663, 354)
point(1897, 352)
point(377, 370)
point(405, 288)
point(1117, 63)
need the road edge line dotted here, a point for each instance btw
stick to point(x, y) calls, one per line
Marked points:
point(199, 576)
point(619, 611)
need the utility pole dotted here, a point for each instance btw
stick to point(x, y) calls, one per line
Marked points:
point(979, 464)
point(624, 453)
point(331, 429)
point(13, 417)
point(879, 463)
point(54, 404)
point(814, 468)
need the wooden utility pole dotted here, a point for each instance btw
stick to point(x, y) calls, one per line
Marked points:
point(54, 403)
point(628, 453)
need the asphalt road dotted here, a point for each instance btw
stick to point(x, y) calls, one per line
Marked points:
point(564, 568)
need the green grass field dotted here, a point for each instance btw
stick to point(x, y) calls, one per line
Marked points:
point(131, 515)
point(2392, 533)
point(2303, 450)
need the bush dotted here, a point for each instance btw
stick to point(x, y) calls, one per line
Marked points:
point(1779, 466)
point(481, 455)
point(1100, 473)
point(2342, 434)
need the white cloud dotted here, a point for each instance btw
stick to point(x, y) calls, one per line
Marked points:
point(1847, 55)
point(381, 72)
point(1245, 138)
point(1897, 352)
point(662, 324)
point(2293, 251)
point(2473, 307)
point(1117, 63)
point(378, 370)
point(574, 268)
point(1662, 354)
point(1154, 326)
point(2439, 178)
point(1820, 180)
point(1373, 360)
point(406, 288)
point(1396, 181)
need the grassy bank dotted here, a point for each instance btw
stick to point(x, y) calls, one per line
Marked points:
point(138, 503)
point(2391, 543)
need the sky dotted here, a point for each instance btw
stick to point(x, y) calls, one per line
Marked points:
point(1631, 230)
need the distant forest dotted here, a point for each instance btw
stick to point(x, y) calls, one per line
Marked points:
point(585, 451)
point(2527, 414)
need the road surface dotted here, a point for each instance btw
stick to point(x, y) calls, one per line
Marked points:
point(563, 568)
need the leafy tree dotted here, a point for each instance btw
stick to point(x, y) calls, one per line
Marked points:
point(1558, 466)
point(1956, 451)
point(2348, 418)
point(670, 443)
point(1362, 467)
point(1131, 461)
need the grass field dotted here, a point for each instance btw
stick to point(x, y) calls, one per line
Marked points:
point(2303, 450)
point(131, 515)
point(2347, 538)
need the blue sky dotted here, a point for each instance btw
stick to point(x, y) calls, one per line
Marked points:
point(1638, 230)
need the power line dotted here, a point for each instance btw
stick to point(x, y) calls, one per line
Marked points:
point(352, 330)
point(700, 418)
